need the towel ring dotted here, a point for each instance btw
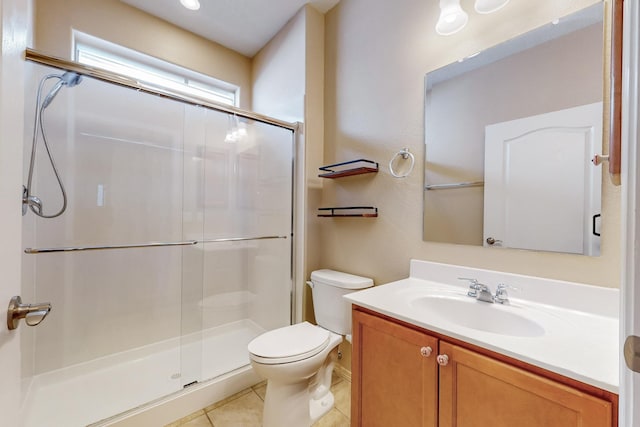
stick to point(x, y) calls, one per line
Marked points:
point(405, 154)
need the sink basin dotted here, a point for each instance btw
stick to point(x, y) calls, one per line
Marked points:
point(482, 316)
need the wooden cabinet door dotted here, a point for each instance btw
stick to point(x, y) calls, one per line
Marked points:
point(477, 391)
point(394, 382)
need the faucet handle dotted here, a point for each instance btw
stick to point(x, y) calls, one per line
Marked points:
point(474, 286)
point(501, 292)
point(472, 282)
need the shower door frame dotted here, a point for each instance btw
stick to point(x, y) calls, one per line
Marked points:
point(119, 79)
point(297, 168)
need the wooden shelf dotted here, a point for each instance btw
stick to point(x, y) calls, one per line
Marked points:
point(349, 211)
point(352, 167)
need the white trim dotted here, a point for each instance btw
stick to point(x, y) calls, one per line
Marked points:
point(630, 300)
point(160, 72)
point(15, 16)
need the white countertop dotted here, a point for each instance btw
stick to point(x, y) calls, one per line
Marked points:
point(580, 339)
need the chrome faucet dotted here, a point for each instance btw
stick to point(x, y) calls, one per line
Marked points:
point(478, 290)
point(481, 292)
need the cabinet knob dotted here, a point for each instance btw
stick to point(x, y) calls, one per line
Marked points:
point(426, 351)
point(442, 359)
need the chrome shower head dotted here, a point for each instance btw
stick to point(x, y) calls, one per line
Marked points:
point(69, 78)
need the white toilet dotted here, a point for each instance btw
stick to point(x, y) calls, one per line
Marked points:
point(297, 360)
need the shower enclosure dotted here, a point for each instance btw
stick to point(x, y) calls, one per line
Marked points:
point(175, 249)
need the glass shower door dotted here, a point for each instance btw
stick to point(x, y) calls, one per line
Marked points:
point(175, 249)
point(246, 199)
point(111, 342)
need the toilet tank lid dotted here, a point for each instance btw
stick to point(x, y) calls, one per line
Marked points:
point(340, 279)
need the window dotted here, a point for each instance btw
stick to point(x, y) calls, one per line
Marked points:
point(96, 52)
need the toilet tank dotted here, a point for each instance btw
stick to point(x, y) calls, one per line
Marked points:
point(331, 310)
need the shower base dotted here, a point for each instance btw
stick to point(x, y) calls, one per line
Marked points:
point(86, 393)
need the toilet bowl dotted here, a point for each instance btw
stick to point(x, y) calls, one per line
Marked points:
point(298, 360)
point(292, 398)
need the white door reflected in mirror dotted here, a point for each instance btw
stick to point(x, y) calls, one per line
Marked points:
point(541, 190)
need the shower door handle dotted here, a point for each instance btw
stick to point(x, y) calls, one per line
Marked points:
point(32, 314)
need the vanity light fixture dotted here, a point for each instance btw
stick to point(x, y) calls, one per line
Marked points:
point(489, 6)
point(190, 4)
point(452, 17)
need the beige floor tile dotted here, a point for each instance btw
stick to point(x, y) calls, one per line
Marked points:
point(261, 390)
point(342, 396)
point(201, 421)
point(245, 411)
point(342, 372)
point(191, 417)
point(335, 378)
point(334, 418)
point(227, 400)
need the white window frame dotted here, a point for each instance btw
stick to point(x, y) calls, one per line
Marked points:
point(93, 51)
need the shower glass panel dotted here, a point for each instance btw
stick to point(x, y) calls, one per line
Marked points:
point(247, 284)
point(130, 326)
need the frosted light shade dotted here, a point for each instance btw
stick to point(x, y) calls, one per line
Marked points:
point(488, 6)
point(191, 4)
point(452, 17)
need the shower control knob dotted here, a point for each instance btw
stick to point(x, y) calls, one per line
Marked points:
point(426, 351)
point(442, 359)
point(32, 314)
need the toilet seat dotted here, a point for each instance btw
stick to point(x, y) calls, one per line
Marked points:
point(289, 344)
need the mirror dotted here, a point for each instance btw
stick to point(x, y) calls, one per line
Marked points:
point(510, 133)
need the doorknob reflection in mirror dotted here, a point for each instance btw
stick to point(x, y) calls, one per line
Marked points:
point(32, 314)
point(491, 241)
point(599, 158)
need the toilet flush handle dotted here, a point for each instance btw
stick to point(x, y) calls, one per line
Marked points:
point(310, 283)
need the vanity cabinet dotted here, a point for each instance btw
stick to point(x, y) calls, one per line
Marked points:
point(394, 374)
point(398, 381)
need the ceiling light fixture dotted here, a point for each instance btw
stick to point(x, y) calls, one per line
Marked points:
point(236, 130)
point(190, 4)
point(452, 17)
point(489, 6)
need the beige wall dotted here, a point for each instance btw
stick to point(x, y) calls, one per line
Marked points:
point(314, 147)
point(278, 73)
point(377, 54)
point(122, 24)
point(288, 76)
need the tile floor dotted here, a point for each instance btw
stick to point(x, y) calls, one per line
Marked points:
point(244, 409)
